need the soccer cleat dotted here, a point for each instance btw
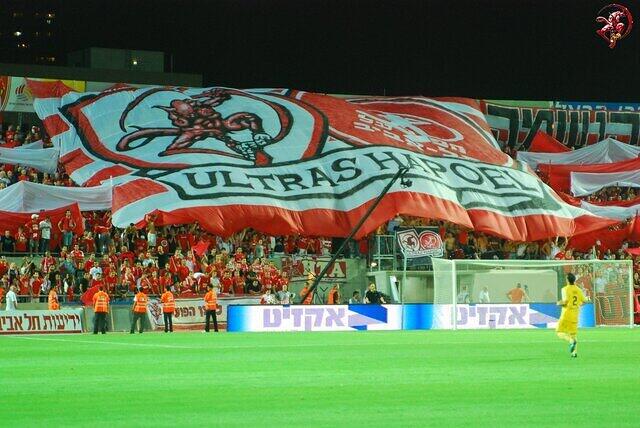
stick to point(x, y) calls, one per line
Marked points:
point(574, 355)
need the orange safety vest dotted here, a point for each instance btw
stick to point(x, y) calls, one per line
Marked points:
point(140, 305)
point(53, 301)
point(168, 302)
point(211, 301)
point(101, 302)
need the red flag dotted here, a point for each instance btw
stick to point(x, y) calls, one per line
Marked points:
point(200, 248)
point(545, 143)
point(87, 296)
point(634, 251)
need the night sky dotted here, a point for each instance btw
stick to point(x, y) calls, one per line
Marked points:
point(509, 49)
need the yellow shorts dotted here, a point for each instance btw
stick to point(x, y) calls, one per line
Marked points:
point(568, 325)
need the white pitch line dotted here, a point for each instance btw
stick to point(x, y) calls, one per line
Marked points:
point(152, 345)
point(300, 345)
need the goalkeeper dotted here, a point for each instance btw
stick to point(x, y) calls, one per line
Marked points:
point(572, 299)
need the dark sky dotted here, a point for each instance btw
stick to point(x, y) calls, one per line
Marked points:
point(510, 49)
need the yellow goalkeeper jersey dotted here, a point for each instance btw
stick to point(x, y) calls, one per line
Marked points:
point(574, 297)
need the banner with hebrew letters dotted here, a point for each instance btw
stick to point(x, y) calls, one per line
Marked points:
point(41, 322)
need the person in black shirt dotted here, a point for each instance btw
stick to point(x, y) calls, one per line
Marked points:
point(7, 243)
point(373, 296)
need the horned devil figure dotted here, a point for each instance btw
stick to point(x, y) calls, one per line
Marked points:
point(614, 28)
point(196, 119)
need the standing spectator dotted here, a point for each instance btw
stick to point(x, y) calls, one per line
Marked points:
point(21, 240)
point(483, 297)
point(463, 295)
point(45, 234)
point(151, 230)
point(168, 308)
point(11, 299)
point(7, 243)
point(211, 306)
point(66, 225)
point(285, 297)
point(33, 229)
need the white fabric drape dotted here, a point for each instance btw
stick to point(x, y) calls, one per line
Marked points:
point(619, 213)
point(25, 196)
point(586, 183)
point(44, 160)
point(606, 151)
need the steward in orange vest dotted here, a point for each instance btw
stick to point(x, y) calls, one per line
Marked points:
point(139, 310)
point(168, 308)
point(211, 306)
point(101, 308)
point(54, 305)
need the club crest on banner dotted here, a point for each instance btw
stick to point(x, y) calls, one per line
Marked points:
point(420, 242)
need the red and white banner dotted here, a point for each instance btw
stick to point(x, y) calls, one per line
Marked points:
point(285, 161)
point(41, 322)
point(559, 176)
point(190, 313)
point(620, 213)
point(25, 196)
point(606, 151)
point(586, 183)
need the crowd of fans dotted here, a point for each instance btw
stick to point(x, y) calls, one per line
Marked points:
point(187, 258)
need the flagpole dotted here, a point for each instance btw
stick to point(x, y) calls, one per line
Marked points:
point(400, 174)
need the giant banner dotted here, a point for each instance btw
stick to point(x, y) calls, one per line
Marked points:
point(314, 318)
point(190, 313)
point(41, 322)
point(285, 161)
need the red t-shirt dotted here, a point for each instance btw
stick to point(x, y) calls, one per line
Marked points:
point(34, 230)
point(226, 284)
point(65, 223)
point(21, 242)
point(238, 284)
point(36, 285)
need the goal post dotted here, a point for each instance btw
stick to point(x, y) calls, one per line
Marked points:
point(471, 293)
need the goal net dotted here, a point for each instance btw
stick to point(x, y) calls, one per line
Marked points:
point(523, 293)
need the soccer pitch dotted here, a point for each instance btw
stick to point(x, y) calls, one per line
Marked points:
point(434, 378)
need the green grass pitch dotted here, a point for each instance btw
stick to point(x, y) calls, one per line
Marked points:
point(435, 378)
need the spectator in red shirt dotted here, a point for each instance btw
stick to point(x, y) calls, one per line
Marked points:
point(21, 240)
point(238, 283)
point(226, 282)
point(33, 229)
point(183, 270)
point(66, 225)
point(77, 255)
